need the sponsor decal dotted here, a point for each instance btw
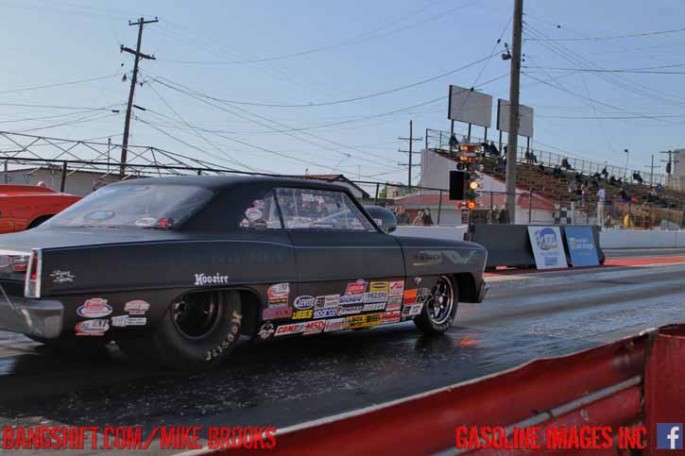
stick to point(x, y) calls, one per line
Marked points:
point(145, 221)
point(422, 294)
point(350, 310)
point(253, 214)
point(266, 330)
point(376, 296)
point(208, 279)
point(390, 317)
point(356, 288)
point(374, 307)
point(92, 328)
point(277, 313)
point(362, 321)
point(94, 308)
point(396, 288)
point(59, 276)
point(411, 311)
point(324, 302)
point(325, 313)
point(304, 302)
point(259, 204)
point(378, 287)
point(278, 293)
point(137, 307)
point(418, 280)
point(126, 320)
point(351, 299)
point(293, 328)
point(314, 327)
point(302, 314)
point(335, 324)
point(394, 303)
point(410, 296)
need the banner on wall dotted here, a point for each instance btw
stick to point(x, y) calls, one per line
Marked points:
point(548, 248)
point(581, 246)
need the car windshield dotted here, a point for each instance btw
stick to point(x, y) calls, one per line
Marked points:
point(141, 206)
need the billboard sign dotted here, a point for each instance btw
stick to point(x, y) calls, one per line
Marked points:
point(525, 118)
point(548, 248)
point(581, 246)
point(468, 106)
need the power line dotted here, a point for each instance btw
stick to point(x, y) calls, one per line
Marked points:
point(599, 70)
point(363, 37)
point(613, 37)
point(59, 84)
point(345, 100)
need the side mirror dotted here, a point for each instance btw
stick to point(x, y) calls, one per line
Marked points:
point(383, 217)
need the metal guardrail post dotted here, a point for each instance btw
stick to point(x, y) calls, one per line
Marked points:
point(439, 207)
point(63, 183)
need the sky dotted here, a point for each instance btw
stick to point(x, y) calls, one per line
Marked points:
point(329, 86)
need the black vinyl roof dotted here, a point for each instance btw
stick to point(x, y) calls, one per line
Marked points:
point(225, 182)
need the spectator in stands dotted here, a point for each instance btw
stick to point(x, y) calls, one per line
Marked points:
point(402, 216)
point(557, 172)
point(659, 187)
point(501, 163)
point(583, 193)
point(426, 217)
point(453, 142)
point(597, 176)
point(612, 180)
point(565, 164)
point(493, 149)
point(503, 216)
point(637, 178)
point(418, 220)
point(541, 167)
point(605, 173)
point(464, 140)
point(529, 158)
point(623, 195)
point(572, 187)
point(533, 157)
point(652, 195)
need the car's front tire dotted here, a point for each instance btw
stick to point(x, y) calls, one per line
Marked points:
point(198, 330)
point(440, 308)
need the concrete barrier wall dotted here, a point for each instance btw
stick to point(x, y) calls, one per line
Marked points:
point(625, 239)
point(440, 232)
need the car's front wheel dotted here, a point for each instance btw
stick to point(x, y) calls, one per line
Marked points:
point(440, 308)
point(197, 330)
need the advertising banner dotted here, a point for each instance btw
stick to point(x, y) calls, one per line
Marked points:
point(548, 249)
point(581, 246)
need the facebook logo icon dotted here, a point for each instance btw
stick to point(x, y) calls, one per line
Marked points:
point(669, 436)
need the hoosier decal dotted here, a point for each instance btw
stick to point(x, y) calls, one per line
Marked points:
point(204, 279)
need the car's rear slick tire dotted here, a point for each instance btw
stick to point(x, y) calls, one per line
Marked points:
point(188, 342)
point(437, 315)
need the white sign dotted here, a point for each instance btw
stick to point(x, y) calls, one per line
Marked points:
point(525, 118)
point(469, 106)
point(548, 248)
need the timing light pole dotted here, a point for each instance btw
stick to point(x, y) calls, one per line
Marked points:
point(512, 145)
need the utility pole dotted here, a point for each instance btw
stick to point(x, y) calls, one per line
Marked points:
point(134, 79)
point(512, 146)
point(651, 171)
point(411, 152)
point(670, 167)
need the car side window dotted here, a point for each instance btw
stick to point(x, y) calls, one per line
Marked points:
point(320, 210)
point(261, 214)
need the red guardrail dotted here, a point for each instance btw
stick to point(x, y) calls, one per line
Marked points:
point(597, 387)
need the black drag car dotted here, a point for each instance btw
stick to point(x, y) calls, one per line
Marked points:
point(178, 268)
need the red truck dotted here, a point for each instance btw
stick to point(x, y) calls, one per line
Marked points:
point(26, 206)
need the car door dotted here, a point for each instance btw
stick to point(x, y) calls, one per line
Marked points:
point(344, 263)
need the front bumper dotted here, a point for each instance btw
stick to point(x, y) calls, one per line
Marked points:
point(34, 317)
point(484, 287)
